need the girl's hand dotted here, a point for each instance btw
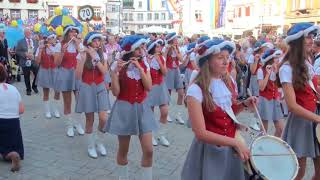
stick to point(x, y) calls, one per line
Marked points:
point(242, 150)
point(251, 101)
point(120, 64)
point(256, 58)
point(135, 62)
point(269, 69)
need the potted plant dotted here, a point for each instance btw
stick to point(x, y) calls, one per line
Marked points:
point(32, 1)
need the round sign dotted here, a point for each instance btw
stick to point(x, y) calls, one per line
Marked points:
point(85, 13)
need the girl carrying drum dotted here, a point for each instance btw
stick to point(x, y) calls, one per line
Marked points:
point(210, 98)
point(297, 80)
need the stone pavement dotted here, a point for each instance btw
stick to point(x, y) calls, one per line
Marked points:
point(50, 154)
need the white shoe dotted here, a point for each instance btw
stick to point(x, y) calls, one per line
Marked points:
point(101, 149)
point(108, 111)
point(79, 128)
point(123, 172)
point(56, 114)
point(169, 119)
point(164, 141)
point(48, 115)
point(70, 132)
point(154, 141)
point(92, 152)
point(179, 119)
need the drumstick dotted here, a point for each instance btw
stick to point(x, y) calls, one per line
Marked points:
point(258, 114)
point(284, 154)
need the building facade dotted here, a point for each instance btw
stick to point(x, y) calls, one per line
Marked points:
point(302, 11)
point(23, 9)
point(113, 16)
point(139, 14)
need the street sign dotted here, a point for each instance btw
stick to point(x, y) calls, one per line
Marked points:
point(85, 13)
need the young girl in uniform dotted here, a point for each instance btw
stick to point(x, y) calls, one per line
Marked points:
point(295, 75)
point(47, 72)
point(92, 91)
point(189, 62)
point(210, 99)
point(131, 115)
point(159, 95)
point(255, 64)
point(269, 96)
point(173, 80)
point(66, 59)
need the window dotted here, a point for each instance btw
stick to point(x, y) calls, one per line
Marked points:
point(170, 26)
point(114, 8)
point(125, 16)
point(32, 13)
point(198, 15)
point(140, 4)
point(70, 10)
point(164, 26)
point(156, 16)
point(170, 16)
point(163, 16)
point(149, 16)
point(97, 12)
point(1, 13)
point(130, 17)
point(140, 26)
point(248, 11)
point(51, 10)
point(239, 12)
point(163, 3)
point(148, 25)
point(127, 4)
point(302, 4)
point(126, 27)
point(140, 17)
point(15, 14)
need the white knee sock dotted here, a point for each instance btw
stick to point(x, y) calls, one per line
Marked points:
point(47, 106)
point(56, 105)
point(162, 129)
point(123, 172)
point(146, 173)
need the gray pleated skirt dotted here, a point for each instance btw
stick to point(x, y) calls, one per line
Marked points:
point(301, 136)
point(254, 86)
point(187, 76)
point(107, 78)
point(269, 110)
point(158, 95)
point(92, 98)
point(173, 80)
point(130, 119)
point(210, 162)
point(65, 80)
point(46, 78)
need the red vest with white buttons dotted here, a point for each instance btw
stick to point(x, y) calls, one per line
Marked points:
point(131, 90)
point(218, 121)
point(271, 90)
point(306, 97)
point(170, 60)
point(69, 60)
point(156, 75)
point(47, 61)
point(90, 76)
point(190, 66)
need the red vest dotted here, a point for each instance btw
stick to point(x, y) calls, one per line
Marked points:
point(218, 121)
point(229, 67)
point(271, 90)
point(170, 60)
point(306, 97)
point(69, 60)
point(190, 66)
point(156, 75)
point(47, 61)
point(258, 66)
point(90, 76)
point(131, 90)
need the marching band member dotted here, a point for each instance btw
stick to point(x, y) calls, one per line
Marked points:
point(159, 95)
point(92, 92)
point(173, 80)
point(131, 115)
point(211, 98)
point(296, 77)
point(65, 58)
point(189, 62)
point(269, 96)
point(255, 63)
point(47, 72)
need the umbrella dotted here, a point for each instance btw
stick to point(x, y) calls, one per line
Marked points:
point(13, 35)
point(62, 20)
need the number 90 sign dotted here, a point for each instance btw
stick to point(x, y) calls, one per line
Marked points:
point(85, 13)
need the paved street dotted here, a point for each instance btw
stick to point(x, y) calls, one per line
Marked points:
point(50, 154)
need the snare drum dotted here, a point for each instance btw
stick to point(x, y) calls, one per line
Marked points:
point(318, 132)
point(273, 159)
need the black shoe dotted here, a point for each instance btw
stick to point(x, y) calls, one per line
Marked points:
point(35, 89)
point(28, 93)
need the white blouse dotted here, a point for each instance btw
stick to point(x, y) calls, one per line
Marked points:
point(285, 72)
point(260, 75)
